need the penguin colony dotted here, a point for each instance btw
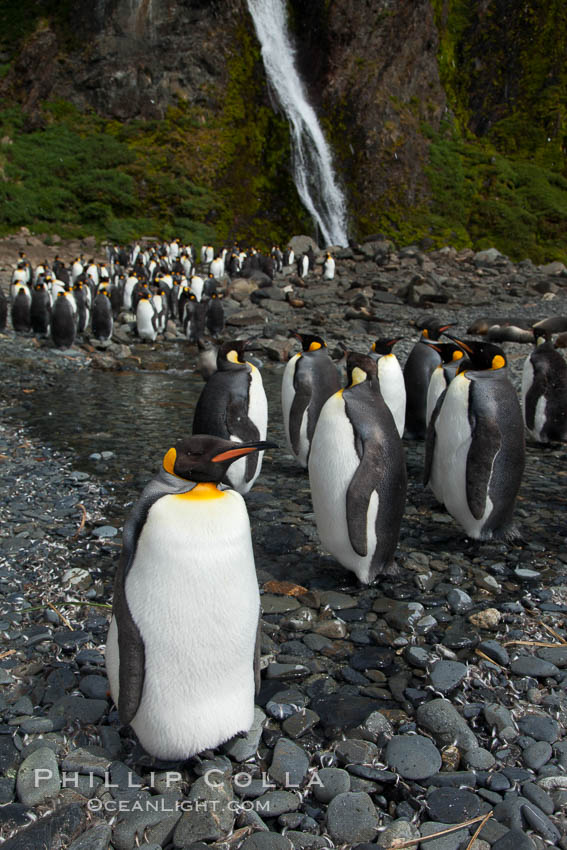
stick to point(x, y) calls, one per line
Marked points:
point(190, 526)
point(150, 286)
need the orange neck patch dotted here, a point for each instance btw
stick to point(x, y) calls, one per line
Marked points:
point(201, 492)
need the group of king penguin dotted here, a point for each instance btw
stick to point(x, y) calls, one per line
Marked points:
point(183, 649)
point(150, 285)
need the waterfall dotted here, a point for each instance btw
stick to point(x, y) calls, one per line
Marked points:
point(312, 165)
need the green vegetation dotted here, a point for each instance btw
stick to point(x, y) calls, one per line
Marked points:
point(81, 175)
point(497, 170)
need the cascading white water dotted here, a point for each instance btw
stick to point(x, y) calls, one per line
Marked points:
point(312, 165)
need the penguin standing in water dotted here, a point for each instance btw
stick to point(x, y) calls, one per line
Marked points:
point(309, 379)
point(182, 668)
point(357, 473)
point(475, 452)
point(422, 360)
point(391, 379)
point(63, 321)
point(233, 405)
point(544, 391)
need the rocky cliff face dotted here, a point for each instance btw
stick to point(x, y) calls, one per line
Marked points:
point(385, 76)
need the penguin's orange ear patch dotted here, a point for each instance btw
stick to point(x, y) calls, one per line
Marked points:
point(314, 346)
point(498, 362)
point(458, 355)
point(169, 461)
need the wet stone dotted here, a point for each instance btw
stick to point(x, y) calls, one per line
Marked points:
point(289, 763)
point(97, 838)
point(459, 601)
point(451, 841)
point(539, 727)
point(272, 604)
point(300, 723)
point(267, 841)
point(354, 751)
point(84, 710)
point(452, 805)
point(495, 651)
point(337, 601)
point(413, 756)
point(514, 839)
point(537, 755)
point(242, 748)
point(38, 777)
point(334, 781)
point(372, 658)
point(276, 803)
point(352, 818)
point(95, 687)
point(531, 665)
point(340, 711)
point(446, 725)
point(479, 759)
point(554, 654)
point(446, 676)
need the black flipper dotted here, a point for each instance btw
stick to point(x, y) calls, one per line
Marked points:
point(130, 647)
point(257, 654)
point(358, 496)
point(485, 432)
point(303, 388)
point(430, 439)
point(239, 425)
point(130, 644)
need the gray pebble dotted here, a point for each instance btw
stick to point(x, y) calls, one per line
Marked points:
point(289, 763)
point(334, 781)
point(97, 838)
point(531, 665)
point(244, 748)
point(352, 818)
point(442, 719)
point(537, 755)
point(446, 676)
point(451, 841)
point(413, 756)
point(38, 777)
point(540, 727)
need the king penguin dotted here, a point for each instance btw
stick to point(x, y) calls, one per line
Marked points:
point(40, 309)
point(391, 379)
point(102, 320)
point(309, 379)
point(329, 267)
point(419, 366)
point(474, 451)
point(233, 405)
point(358, 477)
point(451, 356)
point(544, 391)
point(183, 669)
point(63, 321)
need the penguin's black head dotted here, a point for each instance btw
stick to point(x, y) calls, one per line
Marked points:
point(309, 342)
point(360, 368)
point(384, 346)
point(480, 355)
point(206, 459)
point(448, 351)
point(432, 328)
point(231, 354)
